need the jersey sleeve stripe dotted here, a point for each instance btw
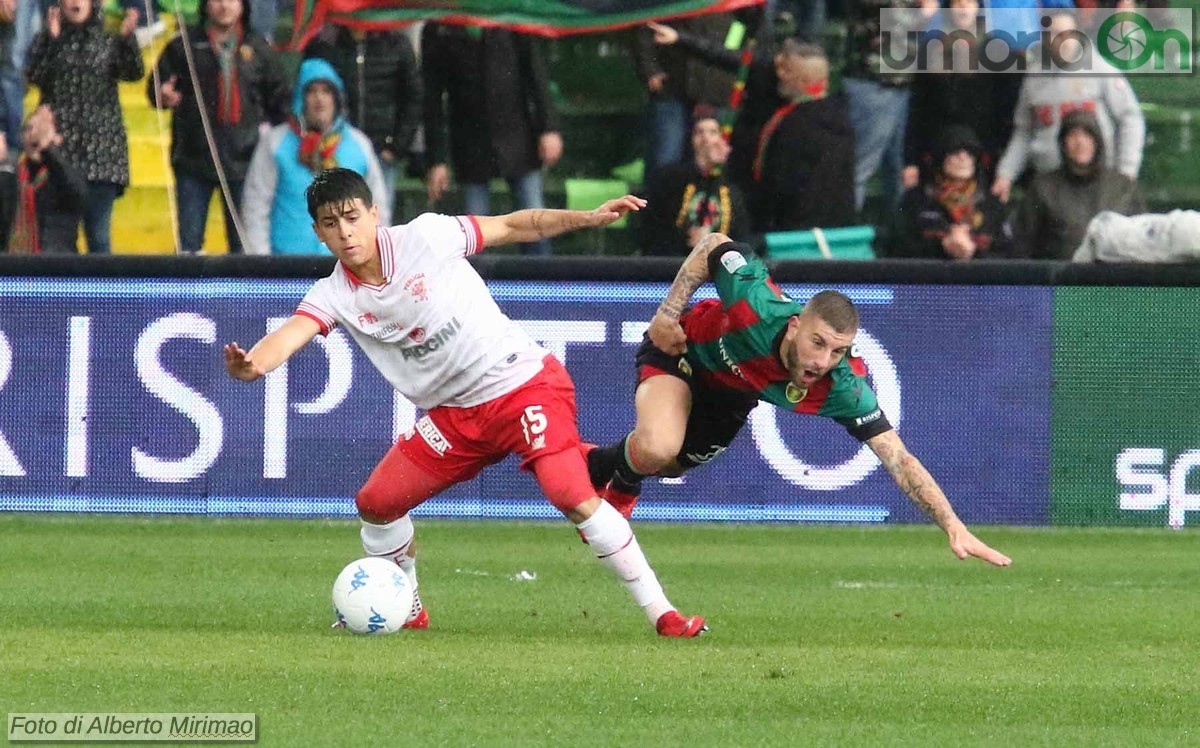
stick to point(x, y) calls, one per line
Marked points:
point(325, 321)
point(473, 233)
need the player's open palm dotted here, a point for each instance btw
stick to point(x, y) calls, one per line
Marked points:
point(964, 543)
point(667, 335)
point(612, 210)
point(239, 364)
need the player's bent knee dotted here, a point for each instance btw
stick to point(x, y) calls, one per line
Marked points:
point(652, 452)
point(378, 506)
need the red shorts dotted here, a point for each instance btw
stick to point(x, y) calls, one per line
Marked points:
point(449, 445)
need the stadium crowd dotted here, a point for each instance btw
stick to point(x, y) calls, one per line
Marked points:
point(956, 165)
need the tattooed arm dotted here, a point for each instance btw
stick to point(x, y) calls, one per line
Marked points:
point(920, 487)
point(665, 331)
point(543, 223)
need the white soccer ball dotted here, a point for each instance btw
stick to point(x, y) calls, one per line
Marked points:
point(372, 596)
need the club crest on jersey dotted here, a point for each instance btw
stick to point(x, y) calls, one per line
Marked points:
point(366, 318)
point(416, 286)
point(793, 393)
point(417, 335)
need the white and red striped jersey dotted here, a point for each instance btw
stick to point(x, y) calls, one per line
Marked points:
point(432, 329)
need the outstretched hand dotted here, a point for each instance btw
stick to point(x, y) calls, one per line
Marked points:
point(963, 543)
point(239, 364)
point(667, 334)
point(663, 34)
point(612, 210)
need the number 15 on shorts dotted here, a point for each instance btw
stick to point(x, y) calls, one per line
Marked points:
point(533, 425)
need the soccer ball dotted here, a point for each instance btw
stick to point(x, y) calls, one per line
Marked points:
point(372, 596)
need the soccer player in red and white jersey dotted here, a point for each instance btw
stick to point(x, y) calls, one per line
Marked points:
point(424, 317)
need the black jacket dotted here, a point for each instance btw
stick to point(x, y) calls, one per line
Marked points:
point(488, 88)
point(680, 198)
point(983, 102)
point(807, 175)
point(77, 74)
point(265, 97)
point(689, 79)
point(383, 82)
point(923, 222)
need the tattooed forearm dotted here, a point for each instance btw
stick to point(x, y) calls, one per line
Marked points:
point(692, 274)
point(913, 479)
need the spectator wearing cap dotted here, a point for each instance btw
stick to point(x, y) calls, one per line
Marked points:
point(693, 198)
point(287, 159)
point(951, 214)
point(1053, 218)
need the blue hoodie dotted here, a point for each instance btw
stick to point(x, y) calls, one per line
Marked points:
point(274, 208)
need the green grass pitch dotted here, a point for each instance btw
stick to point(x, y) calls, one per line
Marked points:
point(820, 635)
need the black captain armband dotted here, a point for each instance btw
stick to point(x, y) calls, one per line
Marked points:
point(715, 258)
point(865, 427)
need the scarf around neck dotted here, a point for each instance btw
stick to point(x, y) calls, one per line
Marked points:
point(229, 98)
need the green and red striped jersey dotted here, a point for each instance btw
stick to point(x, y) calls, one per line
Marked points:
point(733, 344)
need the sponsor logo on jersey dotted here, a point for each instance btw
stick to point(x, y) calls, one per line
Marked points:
point(727, 359)
point(793, 393)
point(700, 458)
point(874, 415)
point(432, 436)
point(366, 318)
point(432, 342)
point(732, 260)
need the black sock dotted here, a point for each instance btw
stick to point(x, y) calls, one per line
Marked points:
point(630, 487)
point(602, 463)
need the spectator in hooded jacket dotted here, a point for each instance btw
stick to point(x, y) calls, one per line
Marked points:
point(1053, 218)
point(77, 65)
point(383, 84)
point(951, 214)
point(317, 138)
point(242, 85)
point(1045, 99)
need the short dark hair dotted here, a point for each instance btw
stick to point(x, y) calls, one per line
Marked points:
point(835, 309)
point(801, 48)
point(338, 187)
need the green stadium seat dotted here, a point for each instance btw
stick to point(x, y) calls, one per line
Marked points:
point(842, 243)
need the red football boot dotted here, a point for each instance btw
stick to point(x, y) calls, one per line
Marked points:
point(677, 626)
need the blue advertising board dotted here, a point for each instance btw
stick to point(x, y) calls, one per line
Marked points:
point(113, 398)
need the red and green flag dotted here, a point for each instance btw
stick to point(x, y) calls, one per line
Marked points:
point(551, 18)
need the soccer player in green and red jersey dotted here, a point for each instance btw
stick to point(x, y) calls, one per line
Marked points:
point(701, 370)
